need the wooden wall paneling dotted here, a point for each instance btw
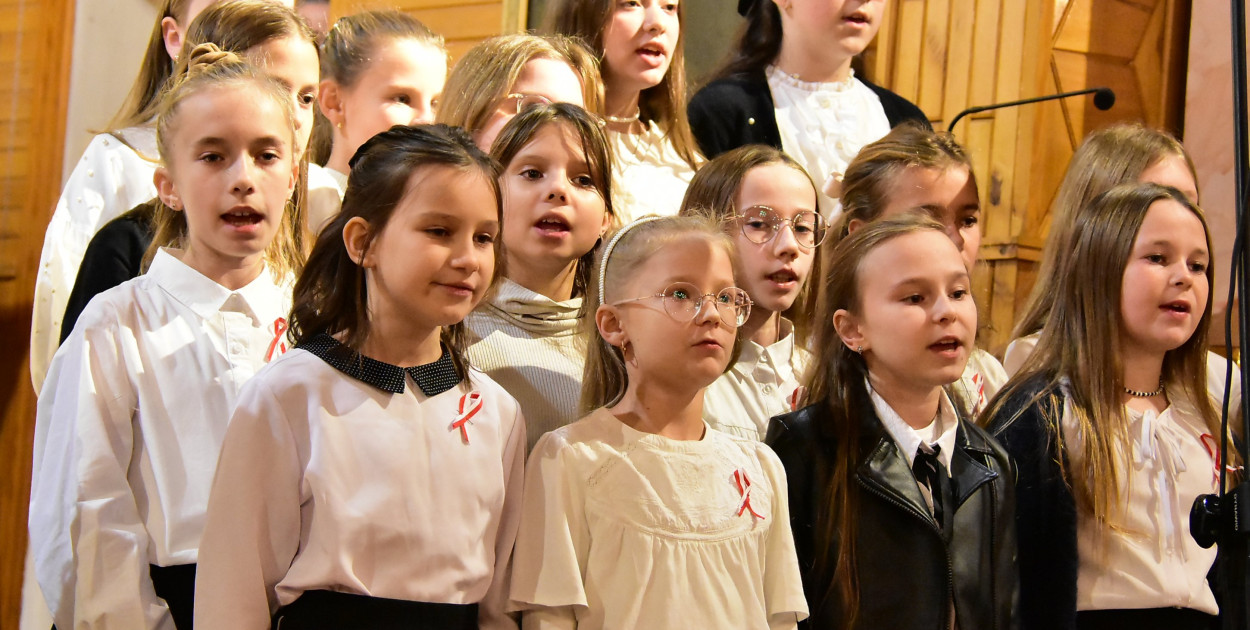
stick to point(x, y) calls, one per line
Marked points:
point(959, 45)
point(462, 23)
point(35, 43)
point(933, 68)
point(906, 55)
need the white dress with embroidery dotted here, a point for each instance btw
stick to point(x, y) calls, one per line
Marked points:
point(624, 529)
point(649, 176)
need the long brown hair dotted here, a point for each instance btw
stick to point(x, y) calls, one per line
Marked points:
point(1078, 352)
point(483, 76)
point(1107, 157)
point(209, 68)
point(331, 295)
point(605, 378)
point(665, 103)
point(519, 131)
point(139, 108)
point(837, 380)
point(715, 189)
point(758, 40)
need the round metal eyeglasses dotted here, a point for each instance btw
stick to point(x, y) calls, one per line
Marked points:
point(683, 302)
point(760, 224)
point(517, 102)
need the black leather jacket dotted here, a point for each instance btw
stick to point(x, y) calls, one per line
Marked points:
point(907, 573)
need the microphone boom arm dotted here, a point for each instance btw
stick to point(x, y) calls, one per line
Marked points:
point(1099, 101)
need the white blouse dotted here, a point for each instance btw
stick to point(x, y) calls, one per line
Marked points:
point(128, 430)
point(112, 177)
point(326, 187)
point(1147, 558)
point(824, 125)
point(763, 383)
point(649, 176)
point(982, 378)
point(625, 529)
point(361, 481)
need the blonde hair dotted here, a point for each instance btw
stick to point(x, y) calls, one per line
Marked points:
point(140, 105)
point(1111, 156)
point(665, 103)
point(715, 189)
point(485, 74)
point(871, 177)
point(605, 378)
point(1078, 352)
point(209, 68)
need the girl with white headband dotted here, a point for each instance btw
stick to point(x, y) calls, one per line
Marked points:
point(700, 516)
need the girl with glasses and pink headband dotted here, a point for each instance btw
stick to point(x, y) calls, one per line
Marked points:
point(701, 516)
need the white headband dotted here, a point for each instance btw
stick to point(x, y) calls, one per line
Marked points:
point(607, 251)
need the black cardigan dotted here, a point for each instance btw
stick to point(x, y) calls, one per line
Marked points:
point(738, 110)
point(114, 255)
point(1045, 508)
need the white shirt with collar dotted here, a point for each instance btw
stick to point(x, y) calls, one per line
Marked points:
point(326, 187)
point(113, 176)
point(128, 430)
point(763, 382)
point(343, 473)
point(941, 431)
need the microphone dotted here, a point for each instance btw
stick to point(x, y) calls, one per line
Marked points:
point(1104, 98)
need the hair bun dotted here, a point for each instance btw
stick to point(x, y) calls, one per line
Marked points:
point(205, 56)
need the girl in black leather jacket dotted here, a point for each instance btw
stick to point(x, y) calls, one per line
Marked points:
point(886, 538)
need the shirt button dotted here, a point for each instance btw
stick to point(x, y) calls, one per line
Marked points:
point(768, 389)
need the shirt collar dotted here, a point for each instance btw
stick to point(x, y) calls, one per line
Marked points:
point(258, 299)
point(433, 378)
point(778, 353)
point(909, 439)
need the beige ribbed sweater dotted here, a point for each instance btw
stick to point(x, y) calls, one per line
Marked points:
point(528, 343)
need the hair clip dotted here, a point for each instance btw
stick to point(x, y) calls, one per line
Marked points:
point(607, 251)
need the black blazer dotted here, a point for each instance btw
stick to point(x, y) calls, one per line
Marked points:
point(738, 110)
point(908, 574)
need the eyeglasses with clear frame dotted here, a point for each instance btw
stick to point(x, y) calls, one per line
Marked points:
point(517, 102)
point(683, 302)
point(760, 224)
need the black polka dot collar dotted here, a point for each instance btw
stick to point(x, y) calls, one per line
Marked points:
point(433, 378)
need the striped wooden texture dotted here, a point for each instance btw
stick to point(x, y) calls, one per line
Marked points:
point(462, 23)
point(947, 55)
point(35, 45)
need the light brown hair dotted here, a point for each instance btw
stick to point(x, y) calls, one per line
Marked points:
point(870, 178)
point(331, 294)
point(715, 189)
point(209, 68)
point(837, 380)
point(605, 378)
point(520, 131)
point(485, 74)
point(1078, 352)
point(1107, 157)
point(665, 103)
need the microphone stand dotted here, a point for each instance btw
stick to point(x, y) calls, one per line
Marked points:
point(1225, 518)
point(1104, 98)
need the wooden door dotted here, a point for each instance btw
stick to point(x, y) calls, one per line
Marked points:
point(462, 23)
point(36, 39)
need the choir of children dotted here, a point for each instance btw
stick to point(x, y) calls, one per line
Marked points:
point(778, 388)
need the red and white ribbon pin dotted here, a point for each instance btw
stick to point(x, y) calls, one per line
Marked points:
point(744, 489)
point(1213, 449)
point(470, 404)
point(796, 397)
point(279, 329)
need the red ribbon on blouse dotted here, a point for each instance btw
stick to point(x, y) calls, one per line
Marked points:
point(470, 404)
point(744, 489)
point(279, 329)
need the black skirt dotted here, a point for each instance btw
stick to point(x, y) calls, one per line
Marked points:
point(1146, 619)
point(328, 610)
